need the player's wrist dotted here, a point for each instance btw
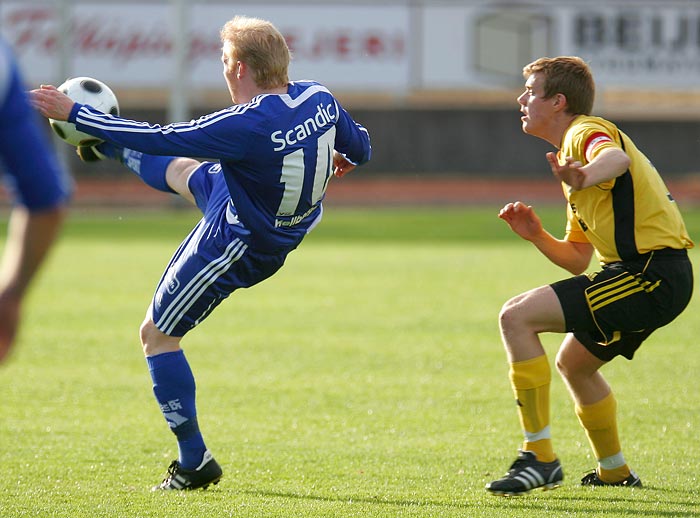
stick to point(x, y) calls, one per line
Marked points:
point(73, 115)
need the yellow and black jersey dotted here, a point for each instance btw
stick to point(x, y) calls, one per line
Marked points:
point(627, 216)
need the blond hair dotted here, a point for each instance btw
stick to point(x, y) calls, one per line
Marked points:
point(567, 75)
point(261, 46)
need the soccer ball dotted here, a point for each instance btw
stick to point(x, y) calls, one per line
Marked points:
point(85, 90)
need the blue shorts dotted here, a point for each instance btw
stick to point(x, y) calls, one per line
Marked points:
point(211, 262)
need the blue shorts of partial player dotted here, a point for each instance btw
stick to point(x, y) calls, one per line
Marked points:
point(212, 262)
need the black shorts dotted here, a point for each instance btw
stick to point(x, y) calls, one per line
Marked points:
point(611, 312)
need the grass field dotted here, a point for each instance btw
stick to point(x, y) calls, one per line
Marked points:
point(366, 379)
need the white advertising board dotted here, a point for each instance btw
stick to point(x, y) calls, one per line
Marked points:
point(131, 45)
point(392, 48)
point(628, 43)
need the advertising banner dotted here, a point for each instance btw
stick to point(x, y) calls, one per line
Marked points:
point(131, 45)
point(389, 48)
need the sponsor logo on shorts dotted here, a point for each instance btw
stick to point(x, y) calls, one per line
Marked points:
point(172, 283)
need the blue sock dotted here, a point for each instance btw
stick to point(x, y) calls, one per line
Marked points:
point(150, 168)
point(174, 388)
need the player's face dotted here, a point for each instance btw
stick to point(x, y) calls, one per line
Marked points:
point(536, 109)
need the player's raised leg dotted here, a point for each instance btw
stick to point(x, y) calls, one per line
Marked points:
point(164, 173)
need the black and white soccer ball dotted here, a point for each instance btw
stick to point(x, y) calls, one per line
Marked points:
point(85, 90)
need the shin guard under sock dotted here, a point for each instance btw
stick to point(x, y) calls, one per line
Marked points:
point(174, 389)
point(530, 380)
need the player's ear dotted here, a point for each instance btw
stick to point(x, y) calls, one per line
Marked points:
point(560, 101)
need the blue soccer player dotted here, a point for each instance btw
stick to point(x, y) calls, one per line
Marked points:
point(40, 189)
point(277, 148)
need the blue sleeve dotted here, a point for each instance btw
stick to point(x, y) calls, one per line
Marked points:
point(208, 136)
point(352, 139)
point(29, 162)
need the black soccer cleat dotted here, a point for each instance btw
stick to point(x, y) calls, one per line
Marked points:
point(180, 479)
point(592, 479)
point(526, 474)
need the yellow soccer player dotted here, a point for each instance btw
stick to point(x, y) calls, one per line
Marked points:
point(619, 207)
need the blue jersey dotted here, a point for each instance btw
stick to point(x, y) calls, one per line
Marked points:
point(276, 154)
point(30, 165)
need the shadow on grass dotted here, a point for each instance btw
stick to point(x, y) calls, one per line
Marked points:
point(362, 500)
point(529, 503)
point(615, 505)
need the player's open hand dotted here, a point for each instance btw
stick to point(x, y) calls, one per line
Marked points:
point(570, 172)
point(522, 220)
point(341, 165)
point(51, 103)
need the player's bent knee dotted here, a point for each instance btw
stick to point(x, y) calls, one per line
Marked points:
point(508, 318)
point(154, 341)
point(178, 173)
point(563, 367)
point(574, 361)
point(145, 333)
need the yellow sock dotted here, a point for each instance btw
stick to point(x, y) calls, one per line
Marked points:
point(613, 475)
point(530, 380)
point(542, 449)
point(600, 422)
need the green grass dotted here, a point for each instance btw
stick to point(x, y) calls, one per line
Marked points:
point(365, 379)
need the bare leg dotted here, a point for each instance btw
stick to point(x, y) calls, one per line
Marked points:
point(580, 371)
point(524, 317)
